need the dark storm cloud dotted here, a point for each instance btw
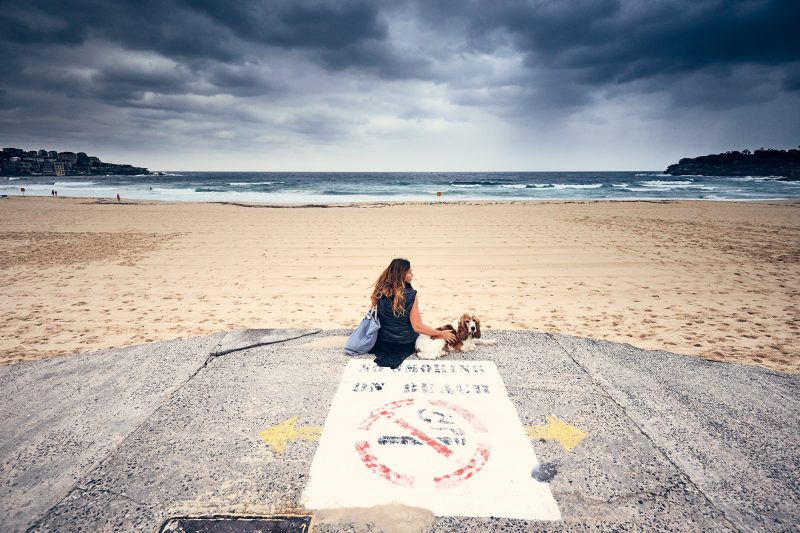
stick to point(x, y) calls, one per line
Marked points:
point(215, 59)
point(597, 44)
point(609, 35)
point(588, 43)
point(189, 30)
point(295, 24)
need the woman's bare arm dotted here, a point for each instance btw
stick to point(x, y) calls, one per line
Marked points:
point(419, 327)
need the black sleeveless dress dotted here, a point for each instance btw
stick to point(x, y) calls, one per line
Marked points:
point(396, 338)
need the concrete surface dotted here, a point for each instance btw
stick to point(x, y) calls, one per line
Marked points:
point(128, 439)
point(241, 339)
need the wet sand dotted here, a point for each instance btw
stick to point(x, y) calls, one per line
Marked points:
point(718, 280)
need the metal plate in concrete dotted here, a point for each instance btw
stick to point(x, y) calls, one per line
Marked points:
point(250, 338)
point(276, 524)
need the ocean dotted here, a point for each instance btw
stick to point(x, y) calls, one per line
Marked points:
point(301, 188)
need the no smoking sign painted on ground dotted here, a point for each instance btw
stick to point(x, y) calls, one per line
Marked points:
point(415, 442)
point(439, 435)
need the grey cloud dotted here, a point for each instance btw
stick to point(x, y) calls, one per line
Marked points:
point(672, 35)
point(218, 62)
point(244, 80)
point(791, 80)
point(379, 59)
point(711, 53)
point(127, 82)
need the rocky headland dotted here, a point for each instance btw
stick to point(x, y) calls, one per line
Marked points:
point(19, 162)
point(763, 162)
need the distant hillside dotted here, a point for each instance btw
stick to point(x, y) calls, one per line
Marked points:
point(762, 162)
point(19, 162)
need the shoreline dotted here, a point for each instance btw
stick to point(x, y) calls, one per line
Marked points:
point(107, 200)
point(716, 279)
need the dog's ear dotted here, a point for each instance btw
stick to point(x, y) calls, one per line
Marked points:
point(477, 326)
point(463, 331)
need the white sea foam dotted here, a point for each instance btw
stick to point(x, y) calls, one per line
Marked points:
point(663, 183)
point(539, 185)
point(466, 185)
point(515, 186)
point(656, 175)
point(248, 183)
point(577, 186)
point(621, 185)
point(74, 183)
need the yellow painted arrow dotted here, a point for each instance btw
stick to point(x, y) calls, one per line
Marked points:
point(278, 435)
point(555, 429)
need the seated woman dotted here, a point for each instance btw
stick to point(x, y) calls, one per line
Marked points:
point(398, 312)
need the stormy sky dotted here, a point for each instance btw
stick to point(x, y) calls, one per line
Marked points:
point(432, 85)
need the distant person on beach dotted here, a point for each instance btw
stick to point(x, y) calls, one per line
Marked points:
point(398, 312)
point(117, 197)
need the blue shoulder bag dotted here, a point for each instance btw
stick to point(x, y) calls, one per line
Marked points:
point(365, 336)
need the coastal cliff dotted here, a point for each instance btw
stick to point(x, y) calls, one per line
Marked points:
point(769, 162)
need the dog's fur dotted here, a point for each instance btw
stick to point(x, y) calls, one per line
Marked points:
point(468, 333)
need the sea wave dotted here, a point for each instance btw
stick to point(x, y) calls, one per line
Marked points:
point(539, 186)
point(473, 183)
point(647, 189)
point(756, 178)
point(74, 183)
point(577, 186)
point(664, 183)
point(515, 186)
point(248, 183)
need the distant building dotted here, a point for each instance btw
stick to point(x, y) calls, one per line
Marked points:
point(16, 161)
point(25, 166)
point(68, 157)
point(48, 168)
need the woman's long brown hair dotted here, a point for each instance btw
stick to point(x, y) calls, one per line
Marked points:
point(390, 284)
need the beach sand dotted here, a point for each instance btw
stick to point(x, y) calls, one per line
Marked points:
point(718, 280)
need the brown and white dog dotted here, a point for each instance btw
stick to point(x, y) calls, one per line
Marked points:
point(468, 333)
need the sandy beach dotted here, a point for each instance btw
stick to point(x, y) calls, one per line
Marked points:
point(718, 280)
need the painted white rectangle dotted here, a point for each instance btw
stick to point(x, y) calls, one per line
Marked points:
point(443, 436)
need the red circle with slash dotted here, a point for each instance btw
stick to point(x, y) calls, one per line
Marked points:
point(451, 437)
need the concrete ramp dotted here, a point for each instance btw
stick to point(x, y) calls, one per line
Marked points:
point(147, 437)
